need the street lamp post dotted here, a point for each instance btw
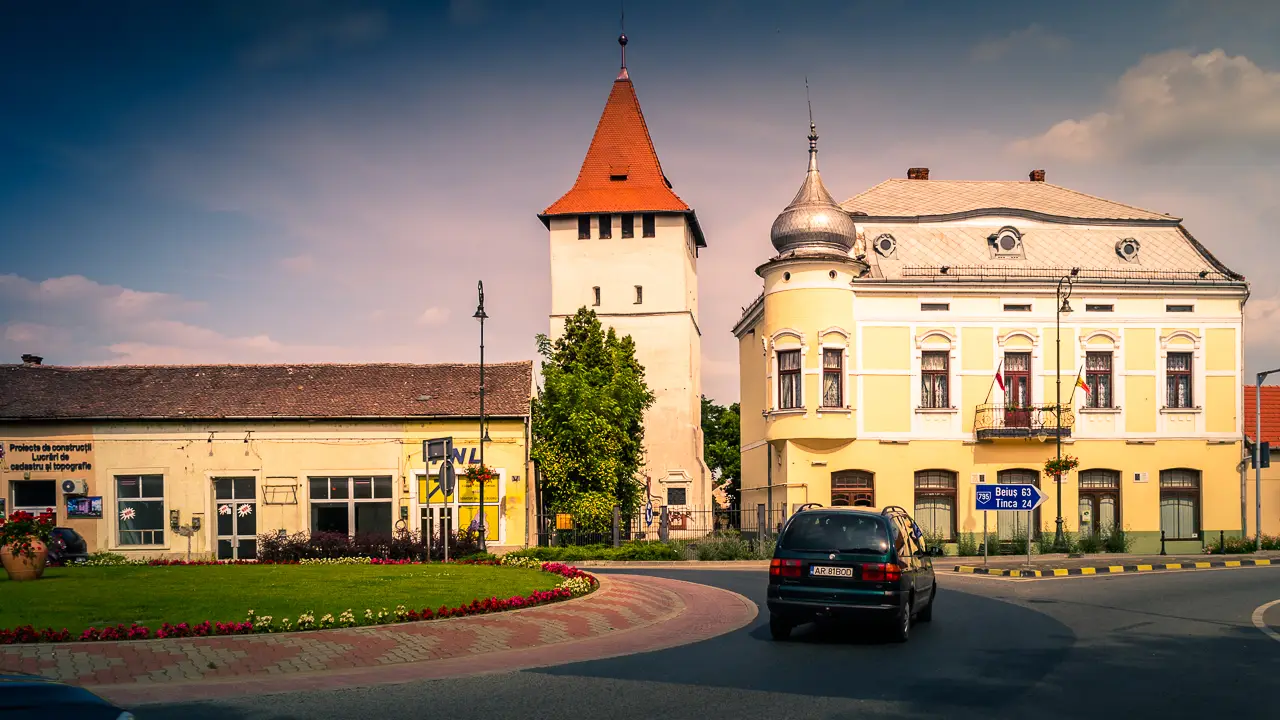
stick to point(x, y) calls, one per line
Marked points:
point(484, 433)
point(1063, 306)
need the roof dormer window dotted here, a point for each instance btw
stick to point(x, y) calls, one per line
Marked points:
point(1007, 242)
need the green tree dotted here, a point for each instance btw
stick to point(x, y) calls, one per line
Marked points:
point(588, 421)
point(721, 436)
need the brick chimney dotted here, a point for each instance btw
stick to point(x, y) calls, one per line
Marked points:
point(1036, 176)
point(917, 173)
point(29, 359)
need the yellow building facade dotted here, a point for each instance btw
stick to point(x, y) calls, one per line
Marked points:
point(909, 344)
point(129, 457)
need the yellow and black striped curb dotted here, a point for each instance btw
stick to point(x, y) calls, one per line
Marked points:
point(1109, 569)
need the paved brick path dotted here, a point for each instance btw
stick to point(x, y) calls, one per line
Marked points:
point(624, 616)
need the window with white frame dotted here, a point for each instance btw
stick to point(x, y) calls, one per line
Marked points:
point(832, 377)
point(935, 367)
point(351, 505)
point(140, 509)
point(789, 379)
point(1178, 380)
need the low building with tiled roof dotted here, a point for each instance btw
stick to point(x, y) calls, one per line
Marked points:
point(974, 331)
point(626, 246)
point(1269, 479)
point(122, 452)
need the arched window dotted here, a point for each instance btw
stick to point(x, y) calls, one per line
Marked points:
point(936, 503)
point(1180, 504)
point(1013, 523)
point(853, 487)
point(1099, 501)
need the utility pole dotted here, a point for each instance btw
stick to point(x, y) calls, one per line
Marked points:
point(484, 433)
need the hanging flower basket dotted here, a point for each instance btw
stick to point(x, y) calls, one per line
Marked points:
point(1057, 467)
point(479, 474)
point(24, 540)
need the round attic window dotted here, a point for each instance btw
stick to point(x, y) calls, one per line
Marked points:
point(1008, 242)
point(832, 274)
point(1127, 249)
point(885, 245)
point(786, 276)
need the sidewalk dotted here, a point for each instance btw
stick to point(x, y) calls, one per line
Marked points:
point(626, 615)
point(1059, 564)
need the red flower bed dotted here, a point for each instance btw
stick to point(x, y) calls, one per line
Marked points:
point(28, 634)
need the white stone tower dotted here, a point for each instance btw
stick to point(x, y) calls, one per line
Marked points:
point(624, 245)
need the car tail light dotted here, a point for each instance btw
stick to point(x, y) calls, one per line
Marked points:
point(784, 568)
point(881, 572)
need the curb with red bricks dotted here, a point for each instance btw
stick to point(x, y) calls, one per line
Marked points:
point(625, 615)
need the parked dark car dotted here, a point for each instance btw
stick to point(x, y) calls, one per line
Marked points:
point(850, 563)
point(67, 546)
point(24, 697)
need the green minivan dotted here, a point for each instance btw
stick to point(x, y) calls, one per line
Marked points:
point(850, 563)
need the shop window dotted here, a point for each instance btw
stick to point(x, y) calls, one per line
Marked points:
point(1178, 380)
point(1180, 504)
point(584, 227)
point(935, 372)
point(140, 509)
point(1099, 501)
point(351, 505)
point(34, 496)
point(1098, 378)
point(832, 377)
point(648, 226)
point(789, 395)
point(855, 488)
point(936, 503)
point(628, 226)
point(236, 500)
point(606, 227)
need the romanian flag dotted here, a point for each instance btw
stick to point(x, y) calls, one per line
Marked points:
point(1080, 384)
point(999, 380)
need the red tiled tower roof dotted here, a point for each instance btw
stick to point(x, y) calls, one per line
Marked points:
point(621, 172)
point(1270, 412)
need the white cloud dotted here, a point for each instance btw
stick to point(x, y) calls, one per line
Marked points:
point(434, 316)
point(1028, 40)
point(1173, 106)
point(305, 39)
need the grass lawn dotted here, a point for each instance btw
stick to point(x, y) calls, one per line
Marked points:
point(76, 598)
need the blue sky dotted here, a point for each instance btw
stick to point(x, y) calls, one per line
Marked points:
point(325, 181)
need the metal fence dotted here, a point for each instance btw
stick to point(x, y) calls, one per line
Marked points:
point(664, 523)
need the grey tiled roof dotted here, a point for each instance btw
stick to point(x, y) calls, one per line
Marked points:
point(915, 198)
point(44, 392)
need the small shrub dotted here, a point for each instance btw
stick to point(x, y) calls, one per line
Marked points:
point(646, 551)
point(1270, 542)
point(1231, 546)
point(967, 545)
point(1044, 542)
point(1017, 545)
point(1117, 540)
point(1090, 543)
point(718, 547)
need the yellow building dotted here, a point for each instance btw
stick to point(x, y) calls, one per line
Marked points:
point(128, 455)
point(906, 347)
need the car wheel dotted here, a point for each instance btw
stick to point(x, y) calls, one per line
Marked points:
point(926, 615)
point(779, 627)
point(901, 629)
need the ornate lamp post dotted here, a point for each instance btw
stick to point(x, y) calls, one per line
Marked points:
point(1063, 306)
point(484, 432)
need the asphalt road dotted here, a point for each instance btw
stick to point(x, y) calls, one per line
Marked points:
point(1167, 645)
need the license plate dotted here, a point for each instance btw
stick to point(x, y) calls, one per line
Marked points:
point(825, 571)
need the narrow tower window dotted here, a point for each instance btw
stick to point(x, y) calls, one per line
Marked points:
point(584, 227)
point(606, 226)
point(648, 224)
point(639, 294)
point(628, 226)
point(595, 295)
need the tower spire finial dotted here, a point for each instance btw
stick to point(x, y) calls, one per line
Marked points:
point(813, 129)
point(622, 41)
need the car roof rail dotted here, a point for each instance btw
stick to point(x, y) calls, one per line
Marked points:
point(806, 506)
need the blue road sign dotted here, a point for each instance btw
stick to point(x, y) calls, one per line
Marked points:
point(648, 513)
point(1008, 497)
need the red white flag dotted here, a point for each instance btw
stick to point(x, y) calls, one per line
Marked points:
point(1000, 380)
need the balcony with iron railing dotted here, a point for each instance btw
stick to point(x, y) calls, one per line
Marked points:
point(992, 421)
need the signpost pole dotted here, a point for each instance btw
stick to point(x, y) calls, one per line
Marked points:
point(984, 537)
point(1029, 512)
point(426, 483)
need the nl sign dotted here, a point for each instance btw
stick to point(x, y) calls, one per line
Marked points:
point(1008, 497)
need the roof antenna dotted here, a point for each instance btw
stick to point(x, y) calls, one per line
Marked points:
point(622, 40)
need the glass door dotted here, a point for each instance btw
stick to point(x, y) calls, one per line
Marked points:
point(237, 533)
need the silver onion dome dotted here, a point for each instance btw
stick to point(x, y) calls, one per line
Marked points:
point(813, 219)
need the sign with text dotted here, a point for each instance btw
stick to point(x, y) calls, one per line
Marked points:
point(47, 457)
point(1008, 497)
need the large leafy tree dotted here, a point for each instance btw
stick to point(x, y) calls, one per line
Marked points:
point(588, 421)
point(721, 431)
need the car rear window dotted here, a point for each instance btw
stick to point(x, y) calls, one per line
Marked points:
point(847, 532)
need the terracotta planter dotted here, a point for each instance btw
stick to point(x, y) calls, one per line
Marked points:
point(21, 567)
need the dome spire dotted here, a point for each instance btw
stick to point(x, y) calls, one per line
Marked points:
point(622, 42)
point(813, 219)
